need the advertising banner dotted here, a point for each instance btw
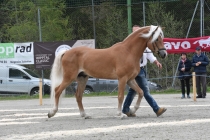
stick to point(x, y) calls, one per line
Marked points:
point(188, 45)
point(17, 53)
point(45, 52)
point(42, 54)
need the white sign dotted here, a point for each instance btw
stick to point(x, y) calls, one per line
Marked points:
point(17, 53)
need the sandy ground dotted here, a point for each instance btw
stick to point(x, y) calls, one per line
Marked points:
point(184, 119)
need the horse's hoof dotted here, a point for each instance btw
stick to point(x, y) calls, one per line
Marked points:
point(123, 116)
point(133, 110)
point(49, 116)
point(119, 113)
point(87, 117)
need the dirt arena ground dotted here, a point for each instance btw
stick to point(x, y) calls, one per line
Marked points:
point(184, 119)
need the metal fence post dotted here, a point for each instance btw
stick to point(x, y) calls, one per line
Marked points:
point(129, 16)
point(192, 19)
point(144, 14)
point(201, 18)
point(94, 28)
point(40, 39)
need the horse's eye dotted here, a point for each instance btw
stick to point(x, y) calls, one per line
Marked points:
point(157, 39)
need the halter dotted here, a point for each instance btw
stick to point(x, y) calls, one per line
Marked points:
point(154, 44)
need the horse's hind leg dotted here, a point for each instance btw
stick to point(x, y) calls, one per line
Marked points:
point(58, 90)
point(135, 86)
point(81, 81)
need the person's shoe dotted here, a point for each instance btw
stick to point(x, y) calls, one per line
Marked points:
point(130, 115)
point(199, 96)
point(203, 96)
point(160, 111)
point(188, 96)
point(183, 96)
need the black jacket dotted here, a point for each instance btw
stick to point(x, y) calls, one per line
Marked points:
point(187, 64)
point(204, 62)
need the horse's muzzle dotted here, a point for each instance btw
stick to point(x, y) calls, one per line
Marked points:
point(162, 53)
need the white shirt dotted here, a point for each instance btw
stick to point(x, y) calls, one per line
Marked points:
point(147, 55)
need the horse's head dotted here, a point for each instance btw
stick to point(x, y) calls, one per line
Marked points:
point(155, 41)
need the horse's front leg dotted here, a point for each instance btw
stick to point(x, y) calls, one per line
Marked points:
point(121, 89)
point(134, 85)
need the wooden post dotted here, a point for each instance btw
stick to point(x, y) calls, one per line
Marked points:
point(194, 86)
point(40, 91)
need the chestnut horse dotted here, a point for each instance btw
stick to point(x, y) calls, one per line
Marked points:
point(120, 61)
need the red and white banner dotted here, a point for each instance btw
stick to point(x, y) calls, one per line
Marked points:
point(188, 45)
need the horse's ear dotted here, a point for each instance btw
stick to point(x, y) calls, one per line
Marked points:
point(163, 28)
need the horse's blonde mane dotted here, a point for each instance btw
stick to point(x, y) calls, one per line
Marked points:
point(156, 33)
point(133, 32)
point(147, 35)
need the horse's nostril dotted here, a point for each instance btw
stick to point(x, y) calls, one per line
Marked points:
point(164, 55)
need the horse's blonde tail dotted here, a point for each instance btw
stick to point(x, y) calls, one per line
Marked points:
point(56, 75)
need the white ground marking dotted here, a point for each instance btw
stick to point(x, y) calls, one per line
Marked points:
point(43, 116)
point(18, 123)
point(86, 108)
point(71, 108)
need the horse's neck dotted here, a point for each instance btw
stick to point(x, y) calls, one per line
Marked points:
point(136, 45)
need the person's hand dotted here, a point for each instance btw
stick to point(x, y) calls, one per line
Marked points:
point(159, 65)
point(182, 69)
point(197, 64)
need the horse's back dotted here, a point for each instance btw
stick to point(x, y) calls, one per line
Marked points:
point(99, 63)
point(94, 62)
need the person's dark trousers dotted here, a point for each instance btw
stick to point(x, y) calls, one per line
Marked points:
point(201, 81)
point(187, 83)
point(142, 82)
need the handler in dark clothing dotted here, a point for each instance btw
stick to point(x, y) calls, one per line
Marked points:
point(199, 62)
point(184, 74)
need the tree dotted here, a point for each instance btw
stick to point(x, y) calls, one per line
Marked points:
point(183, 11)
point(80, 21)
point(111, 25)
point(54, 22)
point(157, 15)
point(22, 24)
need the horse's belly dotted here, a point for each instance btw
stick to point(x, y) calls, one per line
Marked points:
point(104, 73)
